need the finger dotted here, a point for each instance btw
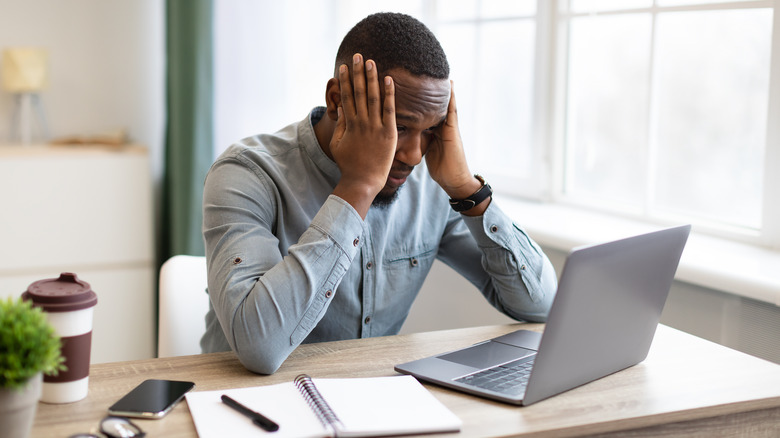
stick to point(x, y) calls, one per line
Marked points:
point(452, 108)
point(345, 86)
point(373, 93)
point(359, 86)
point(388, 109)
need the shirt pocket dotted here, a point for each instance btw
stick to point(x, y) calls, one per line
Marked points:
point(418, 259)
point(405, 272)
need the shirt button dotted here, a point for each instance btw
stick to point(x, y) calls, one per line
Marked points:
point(369, 265)
point(414, 261)
point(367, 320)
point(356, 241)
point(522, 268)
point(494, 228)
point(328, 293)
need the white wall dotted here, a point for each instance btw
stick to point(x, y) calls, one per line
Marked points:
point(264, 82)
point(106, 61)
point(107, 72)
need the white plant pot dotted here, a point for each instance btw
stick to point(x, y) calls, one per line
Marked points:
point(17, 408)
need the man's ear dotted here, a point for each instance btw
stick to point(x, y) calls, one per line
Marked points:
point(332, 98)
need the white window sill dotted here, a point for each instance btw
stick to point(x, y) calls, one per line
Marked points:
point(709, 262)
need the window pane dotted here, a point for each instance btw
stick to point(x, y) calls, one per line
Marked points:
point(608, 5)
point(606, 134)
point(351, 11)
point(505, 97)
point(507, 8)
point(694, 2)
point(713, 73)
point(459, 42)
point(447, 10)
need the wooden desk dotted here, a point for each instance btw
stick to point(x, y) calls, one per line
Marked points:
point(686, 387)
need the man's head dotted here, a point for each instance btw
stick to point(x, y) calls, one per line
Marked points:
point(405, 49)
point(395, 41)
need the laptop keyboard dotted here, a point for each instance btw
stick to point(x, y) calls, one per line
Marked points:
point(510, 378)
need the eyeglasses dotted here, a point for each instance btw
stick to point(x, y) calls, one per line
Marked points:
point(114, 427)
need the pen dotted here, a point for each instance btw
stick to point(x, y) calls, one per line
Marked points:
point(257, 418)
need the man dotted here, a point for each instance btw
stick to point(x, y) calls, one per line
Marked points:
point(327, 229)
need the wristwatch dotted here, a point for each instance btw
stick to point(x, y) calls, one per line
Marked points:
point(480, 195)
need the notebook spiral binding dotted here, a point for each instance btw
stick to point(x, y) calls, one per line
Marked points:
point(318, 404)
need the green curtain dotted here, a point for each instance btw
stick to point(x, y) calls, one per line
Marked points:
point(189, 135)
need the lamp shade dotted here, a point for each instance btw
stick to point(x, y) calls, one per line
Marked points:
point(25, 69)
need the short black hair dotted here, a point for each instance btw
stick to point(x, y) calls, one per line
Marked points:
point(395, 40)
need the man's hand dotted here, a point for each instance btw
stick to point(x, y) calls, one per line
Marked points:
point(364, 141)
point(446, 160)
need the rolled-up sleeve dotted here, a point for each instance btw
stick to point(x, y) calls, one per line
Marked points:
point(514, 274)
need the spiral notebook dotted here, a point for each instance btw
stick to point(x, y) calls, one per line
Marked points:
point(307, 407)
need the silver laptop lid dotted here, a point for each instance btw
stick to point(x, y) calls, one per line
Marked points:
point(608, 305)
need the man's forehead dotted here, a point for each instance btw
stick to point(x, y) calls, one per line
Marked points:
point(420, 94)
point(422, 87)
point(412, 117)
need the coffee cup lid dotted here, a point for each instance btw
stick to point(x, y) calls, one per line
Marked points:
point(64, 294)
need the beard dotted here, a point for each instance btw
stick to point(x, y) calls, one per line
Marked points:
point(389, 193)
point(384, 200)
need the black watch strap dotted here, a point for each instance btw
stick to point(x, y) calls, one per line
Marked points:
point(480, 195)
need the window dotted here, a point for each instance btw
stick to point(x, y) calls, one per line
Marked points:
point(667, 109)
point(656, 110)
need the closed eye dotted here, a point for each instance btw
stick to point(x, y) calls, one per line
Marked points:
point(434, 129)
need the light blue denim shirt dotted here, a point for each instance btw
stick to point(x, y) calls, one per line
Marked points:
point(289, 263)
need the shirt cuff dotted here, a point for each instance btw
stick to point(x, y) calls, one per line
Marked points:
point(342, 223)
point(492, 229)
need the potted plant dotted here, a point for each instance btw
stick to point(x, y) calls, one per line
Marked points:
point(29, 347)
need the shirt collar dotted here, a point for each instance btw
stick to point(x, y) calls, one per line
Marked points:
point(308, 141)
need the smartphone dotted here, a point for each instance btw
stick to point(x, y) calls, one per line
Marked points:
point(151, 399)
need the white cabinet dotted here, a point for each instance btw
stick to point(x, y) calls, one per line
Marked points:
point(87, 210)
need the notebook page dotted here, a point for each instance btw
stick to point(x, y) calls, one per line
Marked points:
point(385, 406)
point(281, 403)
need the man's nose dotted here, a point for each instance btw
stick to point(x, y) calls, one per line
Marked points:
point(410, 150)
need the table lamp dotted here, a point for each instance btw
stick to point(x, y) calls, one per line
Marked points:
point(25, 73)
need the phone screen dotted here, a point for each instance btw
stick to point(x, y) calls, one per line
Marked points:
point(151, 399)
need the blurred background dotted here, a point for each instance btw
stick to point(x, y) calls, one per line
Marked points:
point(592, 119)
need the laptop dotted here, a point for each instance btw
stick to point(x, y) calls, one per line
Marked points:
point(602, 320)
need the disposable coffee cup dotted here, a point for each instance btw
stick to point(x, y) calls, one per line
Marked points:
point(68, 304)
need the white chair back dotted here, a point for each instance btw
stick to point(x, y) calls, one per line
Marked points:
point(183, 306)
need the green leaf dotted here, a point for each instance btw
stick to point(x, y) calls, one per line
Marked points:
point(28, 344)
